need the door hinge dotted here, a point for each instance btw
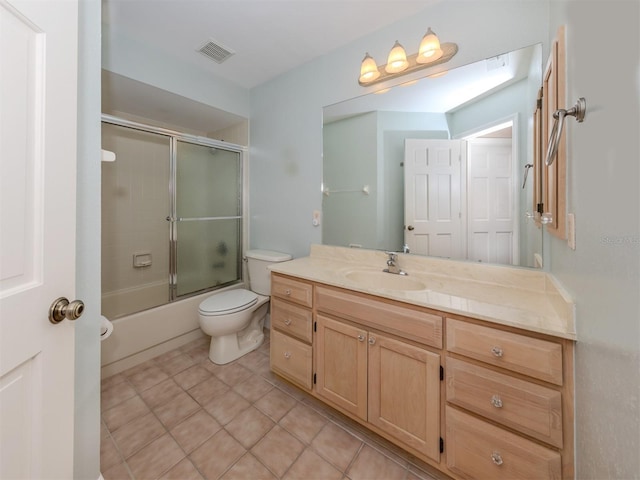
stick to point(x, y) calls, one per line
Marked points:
point(441, 373)
point(314, 378)
point(441, 445)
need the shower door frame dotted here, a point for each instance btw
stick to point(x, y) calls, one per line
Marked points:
point(174, 138)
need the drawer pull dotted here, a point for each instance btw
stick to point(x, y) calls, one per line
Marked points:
point(497, 351)
point(287, 292)
point(496, 458)
point(496, 401)
point(361, 338)
point(287, 355)
point(287, 322)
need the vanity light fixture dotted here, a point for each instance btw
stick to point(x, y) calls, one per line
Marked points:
point(430, 53)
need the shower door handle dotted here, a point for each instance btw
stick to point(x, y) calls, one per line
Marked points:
point(171, 219)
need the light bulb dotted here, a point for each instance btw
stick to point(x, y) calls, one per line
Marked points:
point(397, 61)
point(430, 50)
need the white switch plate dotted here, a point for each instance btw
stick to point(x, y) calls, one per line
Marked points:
point(316, 218)
point(571, 233)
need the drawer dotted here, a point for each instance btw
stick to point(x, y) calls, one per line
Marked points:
point(411, 323)
point(524, 406)
point(293, 290)
point(477, 449)
point(291, 358)
point(530, 356)
point(291, 319)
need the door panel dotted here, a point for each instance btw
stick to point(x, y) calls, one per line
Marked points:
point(433, 224)
point(341, 365)
point(404, 393)
point(492, 223)
point(38, 93)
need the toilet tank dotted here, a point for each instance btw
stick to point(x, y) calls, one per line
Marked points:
point(258, 262)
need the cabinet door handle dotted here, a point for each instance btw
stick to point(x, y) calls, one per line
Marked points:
point(372, 340)
point(496, 401)
point(361, 338)
point(496, 458)
point(497, 351)
point(287, 322)
point(287, 355)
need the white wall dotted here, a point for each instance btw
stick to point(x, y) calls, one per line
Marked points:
point(286, 113)
point(602, 274)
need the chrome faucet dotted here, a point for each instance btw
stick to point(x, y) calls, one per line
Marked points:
point(392, 266)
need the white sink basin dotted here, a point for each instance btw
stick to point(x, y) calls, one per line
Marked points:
point(389, 281)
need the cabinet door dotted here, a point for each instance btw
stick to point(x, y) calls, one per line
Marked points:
point(404, 393)
point(341, 365)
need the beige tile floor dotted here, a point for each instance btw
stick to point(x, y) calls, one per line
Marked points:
point(180, 416)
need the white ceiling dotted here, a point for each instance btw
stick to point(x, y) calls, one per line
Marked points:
point(261, 34)
point(269, 37)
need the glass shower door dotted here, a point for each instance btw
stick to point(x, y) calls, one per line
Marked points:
point(207, 234)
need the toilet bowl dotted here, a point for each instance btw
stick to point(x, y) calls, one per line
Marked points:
point(235, 318)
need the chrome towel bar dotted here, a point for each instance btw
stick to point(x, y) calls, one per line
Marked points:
point(578, 111)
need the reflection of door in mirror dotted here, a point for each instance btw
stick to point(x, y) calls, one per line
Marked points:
point(458, 199)
point(364, 144)
point(432, 197)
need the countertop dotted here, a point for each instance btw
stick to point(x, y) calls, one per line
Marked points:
point(518, 297)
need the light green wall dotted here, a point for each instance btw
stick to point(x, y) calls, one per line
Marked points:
point(286, 112)
point(86, 443)
point(602, 274)
point(350, 162)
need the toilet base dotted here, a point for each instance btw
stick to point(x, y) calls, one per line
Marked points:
point(228, 348)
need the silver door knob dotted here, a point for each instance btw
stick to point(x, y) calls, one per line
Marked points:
point(410, 227)
point(61, 308)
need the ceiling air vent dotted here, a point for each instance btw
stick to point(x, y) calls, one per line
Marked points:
point(215, 51)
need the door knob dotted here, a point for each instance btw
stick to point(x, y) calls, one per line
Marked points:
point(410, 227)
point(61, 308)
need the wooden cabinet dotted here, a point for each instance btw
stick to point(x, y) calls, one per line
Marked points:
point(291, 353)
point(404, 393)
point(509, 411)
point(341, 365)
point(391, 384)
point(477, 449)
point(506, 411)
point(554, 176)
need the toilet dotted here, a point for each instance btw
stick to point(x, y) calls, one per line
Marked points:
point(235, 318)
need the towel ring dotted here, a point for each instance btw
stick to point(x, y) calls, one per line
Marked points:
point(578, 111)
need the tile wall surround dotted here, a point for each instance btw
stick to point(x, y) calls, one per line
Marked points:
point(179, 416)
point(135, 204)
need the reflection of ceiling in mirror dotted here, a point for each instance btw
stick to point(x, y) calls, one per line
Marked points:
point(442, 93)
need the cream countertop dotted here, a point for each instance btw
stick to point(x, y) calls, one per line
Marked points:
point(518, 297)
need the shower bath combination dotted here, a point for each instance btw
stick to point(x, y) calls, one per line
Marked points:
point(172, 216)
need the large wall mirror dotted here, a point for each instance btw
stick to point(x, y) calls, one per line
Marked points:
point(439, 167)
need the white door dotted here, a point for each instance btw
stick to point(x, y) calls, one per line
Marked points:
point(433, 215)
point(492, 225)
point(38, 97)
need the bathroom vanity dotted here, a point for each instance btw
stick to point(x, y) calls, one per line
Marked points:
point(468, 367)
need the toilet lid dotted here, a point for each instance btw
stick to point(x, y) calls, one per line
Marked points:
point(228, 302)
